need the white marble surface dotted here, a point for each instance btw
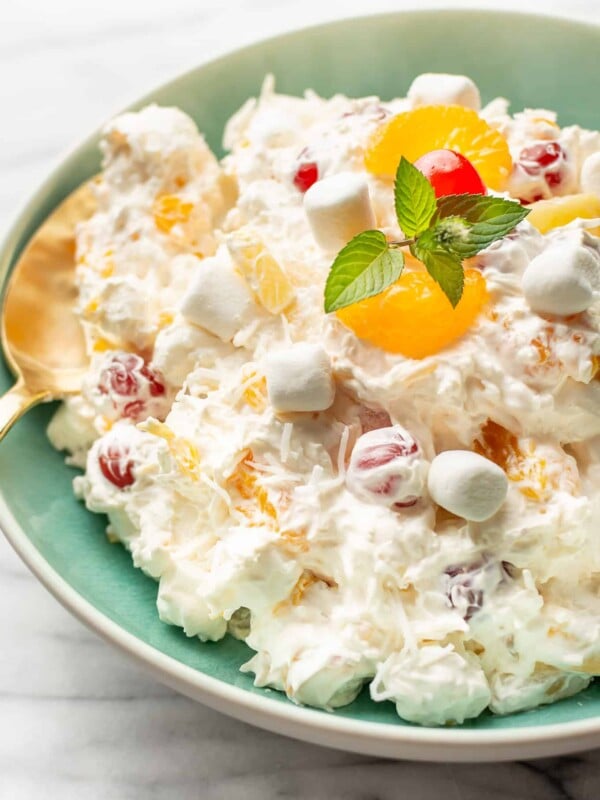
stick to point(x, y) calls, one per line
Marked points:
point(77, 721)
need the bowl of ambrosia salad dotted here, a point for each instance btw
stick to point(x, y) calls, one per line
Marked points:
point(342, 402)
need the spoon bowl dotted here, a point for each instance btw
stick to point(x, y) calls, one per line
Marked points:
point(41, 335)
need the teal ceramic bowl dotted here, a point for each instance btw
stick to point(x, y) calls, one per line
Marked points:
point(535, 61)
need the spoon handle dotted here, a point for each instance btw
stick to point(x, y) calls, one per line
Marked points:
point(15, 403)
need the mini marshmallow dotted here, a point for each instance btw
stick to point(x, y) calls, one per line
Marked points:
point(338, 208)
point(218, 298)
point(467, 484)
point(299, 378)
point(564, 279)
point(439, 88)
point(590, 174)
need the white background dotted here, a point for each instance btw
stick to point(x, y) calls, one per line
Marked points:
point(78, 722)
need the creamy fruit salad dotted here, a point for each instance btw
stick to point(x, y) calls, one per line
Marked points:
point(402, 493)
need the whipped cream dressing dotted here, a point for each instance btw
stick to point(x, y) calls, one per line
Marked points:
point(259, 523)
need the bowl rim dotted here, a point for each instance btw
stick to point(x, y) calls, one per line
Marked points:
point(311, 725)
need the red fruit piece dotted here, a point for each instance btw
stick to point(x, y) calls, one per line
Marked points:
point(412, 501)
point(450, 172)
point(381, 454)
point(306, 174)
point(386, 467)
point(134, 410)
point(544, 160)
point(387, 486)
point(461, 592)
point(466, 584)
point(136, 389)
point(538, 157)
point(155, 380)
point(116, 465)
point(118, 376)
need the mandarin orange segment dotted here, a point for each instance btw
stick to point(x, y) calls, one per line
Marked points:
point(413, 133)
point(170, 210)
point(307, 579)
point(413, 316)
point(537, 476)
point(548, 214)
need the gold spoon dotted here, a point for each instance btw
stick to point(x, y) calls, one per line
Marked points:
point(42, 338)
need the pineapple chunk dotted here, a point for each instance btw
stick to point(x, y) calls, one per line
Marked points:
point(548, 214)
point(266, 278)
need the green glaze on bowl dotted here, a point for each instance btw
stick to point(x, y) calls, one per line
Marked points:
point(534, 61)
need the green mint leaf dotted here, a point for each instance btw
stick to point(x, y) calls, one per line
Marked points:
point(450, 233)
point(488, 218)
point(363, 268)
point(444, 267)
point(414, 198)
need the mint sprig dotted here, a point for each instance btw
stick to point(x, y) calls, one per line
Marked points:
point(488, 218)
point(363, 268)
point(441, 233)
point(445, 268)
point(414, 199)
